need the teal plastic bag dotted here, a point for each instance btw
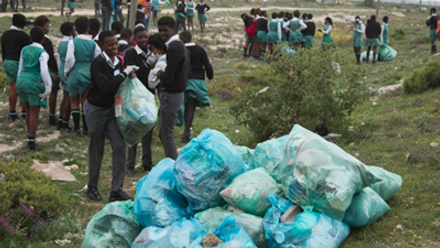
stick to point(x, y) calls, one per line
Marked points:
point(179, 235)
point(387, 53)
point(269, 155)
point(205, 166)
point(246, 154)
point(365, 209)
point(158, 202)
point(114, 226)
point(231, 235)
point(249, 191)
point(253, 225)
point(318, 175)
point(387, 183)
point(308, 230)
point(135, 110)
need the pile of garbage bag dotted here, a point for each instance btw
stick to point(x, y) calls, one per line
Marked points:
point(295, 191)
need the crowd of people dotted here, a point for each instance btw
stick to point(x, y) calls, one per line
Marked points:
point(298, 31)
point(89, 69)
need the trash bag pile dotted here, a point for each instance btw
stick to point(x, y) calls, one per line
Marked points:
point(295, 191)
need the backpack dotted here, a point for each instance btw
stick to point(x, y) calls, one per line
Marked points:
point(437, 30)
point(251, 31)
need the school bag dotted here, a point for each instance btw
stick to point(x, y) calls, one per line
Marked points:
point(251, 31)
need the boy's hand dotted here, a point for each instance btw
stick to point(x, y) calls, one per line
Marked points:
point(133, 75)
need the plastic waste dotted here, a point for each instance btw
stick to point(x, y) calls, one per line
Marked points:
point(157, 201)
point(308, 230)
point(387, 53)
point(365, 209)
point(211, 219)
point(135, 110)
point(249, 191)
point(205, 166)
point(114, 226)
point(387, 183)
point(231, 235)
point(179, 235)
point(318, 175)
point(246, 154)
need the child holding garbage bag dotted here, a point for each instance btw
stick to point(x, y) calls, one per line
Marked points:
point(358, 42)
point(107, 74)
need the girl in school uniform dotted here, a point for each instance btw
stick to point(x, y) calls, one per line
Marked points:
point(262, 30)
point(274, 35)
point(248, 21)
point(358, 42)
point(190, 7)
point(309, 32)
point(79, 56)
point(384, 30)
point(157, 9)
point(71, 6)
point(295, 26)
point(327, 40)
point(201, 8)
point(372, 31)
point(281, 16)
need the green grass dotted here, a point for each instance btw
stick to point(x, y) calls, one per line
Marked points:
point(383, 134)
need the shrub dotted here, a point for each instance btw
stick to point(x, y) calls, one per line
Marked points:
point(303, 88)
point(398, 34)
point(422, 79)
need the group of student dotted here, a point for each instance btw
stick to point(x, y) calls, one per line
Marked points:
point(299, 31)
point(90, 72)
point(185, 11)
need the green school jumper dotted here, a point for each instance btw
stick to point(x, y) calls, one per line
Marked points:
point(385, 34)
point(156, 6)
point(29, 83)
point(283, 33)
point(190, 12)
point(357, 37)
point(272, 36)
point(295, 36)
point(79, 76)
point(327, 40)
point(62, 52)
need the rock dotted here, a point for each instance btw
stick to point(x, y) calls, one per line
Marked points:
point(290, 215)
point(58, 149)
point(399, 228)
point(210, 240)
point(55, 170)
point(74, 167)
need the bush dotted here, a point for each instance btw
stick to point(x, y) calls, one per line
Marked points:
point(304, 89)
point(398, 34)
point(422, 79)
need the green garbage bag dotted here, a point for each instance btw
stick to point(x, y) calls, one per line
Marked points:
point(135, 110)
point(249, 191)
point(387, 53)
point(114, 226)
point(319, 175)
point(246, 154)
point(365, 209)
point(387, 183)
point(253, 225)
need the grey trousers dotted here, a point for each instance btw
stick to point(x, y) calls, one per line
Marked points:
point(106, 14)
point(97, 9)
point(180, 21)
point(169, 108)
point(102, 123)
point(146, 152)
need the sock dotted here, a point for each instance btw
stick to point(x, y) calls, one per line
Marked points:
point(358, 58)
point(66, 124)
point(31, 140)
point(374, 57)
point(76, 115)
point(13, 113)
point(23, 114)
point(60, 122)
point(245, 48)
point(433, 49)
point(368, 56)
point(85, 128)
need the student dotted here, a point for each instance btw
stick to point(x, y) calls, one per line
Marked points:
point(384, 30)
point(107, 74)
point(68, 31)
point(140, 56)
point(43, 22)
point(180, 14)
point(247, 20)
point(295, 26)
point(71, 6)
point(31, 72)
point(173, 81)
point(327, 40)
point(117, 26)
point(431, 22)
point(309, 32)
point(262, 30)
point(13, 40)
point(255, 44)
point(94, 27)
point(372, 31)
point(281, 16)
point(190, 7)
point(140, 15)
point(196, 93)
point(358, 42)
point(149, 8)
point(156, 10)
point(201, 8)
point(274, 35)
point(80, 53)
point(118, 11)
point(97, 5)
point(106, 10)
point(126, 41)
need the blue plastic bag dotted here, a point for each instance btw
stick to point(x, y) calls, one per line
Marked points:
point(230, 234)
point(308, 230)
point(205, 166)
point(179, 235)
point(158, 201)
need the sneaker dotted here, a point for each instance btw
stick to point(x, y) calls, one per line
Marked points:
point(93, 194)
point(32, 146)
point(186, 138)
point(119, 196)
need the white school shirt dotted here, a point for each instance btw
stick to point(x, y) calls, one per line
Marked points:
point(329, 29)
point(381, 31)
point(15, 28)
point(115, 62)
point(162, 65)
point(70, 56)
point(301, 23)
point(193, 8)
point(65, 38)
point(362, 30)
point(44, 70)
point(173, 38)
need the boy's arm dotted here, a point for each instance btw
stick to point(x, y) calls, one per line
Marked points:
point(105, 83)
point(44, 70)
point(70, 58)
point(207, 65)
point(130, 59)
point(174, 57)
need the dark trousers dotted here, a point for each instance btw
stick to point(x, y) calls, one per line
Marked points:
point(106, 14)
point(102, 122)
point(97, 9)
point(63, 2)
point(170, 104)
point(146, 152)
point(120, 15)
point(180, 21)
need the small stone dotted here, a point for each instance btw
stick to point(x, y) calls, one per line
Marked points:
point(74, 167)
point(399, 228)
point(68, 168)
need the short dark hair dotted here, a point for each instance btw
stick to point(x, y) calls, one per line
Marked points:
point(373, 18)
point(95, 24)
point(385, 19)
point(157, 41)
point(309, 16)
point(296, 13)
point(41, 20)
point(139, 29)
point(304, 16)
point(281, 14)
point(67, 28)
point(81, 24)
point(274, 15)
point(186, 36)
point(167, 21)
point(126, 34)
point(117, 26)
point(105, 34)
point(37, 34)
point(252, 12)
point(433, 10)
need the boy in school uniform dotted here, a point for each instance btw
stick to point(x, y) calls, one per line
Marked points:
point(80, 53)
point(107, 74)
point(201, 8)
point(32, 71)
point(117, 27)
point(126, 41)
point(94, 27)
point(431, 22)
point(13, 41)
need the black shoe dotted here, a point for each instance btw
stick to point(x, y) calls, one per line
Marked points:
point(59, 126)
point(53, 121)
point(93, 194)
point(76, 132)
point(33, 146)
point(130, 170)
point(147, 167)
point(13, 117)
point(119, 196)
point(186, 138)
point(85, 132)
point(66, 129)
